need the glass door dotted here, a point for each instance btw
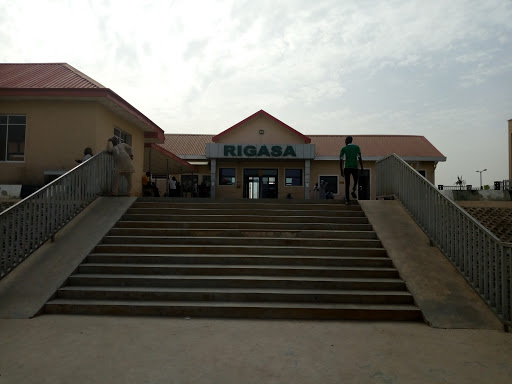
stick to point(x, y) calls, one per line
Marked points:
point(260, 183)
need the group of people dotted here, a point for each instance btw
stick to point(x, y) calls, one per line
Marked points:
point(350, 158)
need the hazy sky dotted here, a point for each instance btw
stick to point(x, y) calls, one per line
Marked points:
point(437, 68)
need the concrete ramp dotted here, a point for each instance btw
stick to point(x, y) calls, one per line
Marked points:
point(25, 290)
point(445, 298)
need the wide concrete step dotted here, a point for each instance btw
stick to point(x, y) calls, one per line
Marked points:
point(249, 211)
point(243, 241)
point(246, 204)
point(269, 282)
point(241, 232)
point(265, 310)
point(241, 259)
point(246, 218)
point(246, 226)
point(238, 249)
point(334, 261)
point(230, 294)
point(236, 270)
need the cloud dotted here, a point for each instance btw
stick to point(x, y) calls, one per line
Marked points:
point(434, 68)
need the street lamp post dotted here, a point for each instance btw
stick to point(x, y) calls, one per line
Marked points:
point(483, 170)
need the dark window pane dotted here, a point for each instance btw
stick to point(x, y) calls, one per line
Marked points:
point(3, 142)
point(332, 183)
point(17, 120)
point(3, 119)
point(293, 177)
point(16, 143)
point(227, 176)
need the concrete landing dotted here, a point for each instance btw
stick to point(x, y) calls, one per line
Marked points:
point(441, 292)
point(25, 290)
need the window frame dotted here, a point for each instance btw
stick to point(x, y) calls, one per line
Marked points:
point(291, 184)
point(321, 177)
point(8, 126)
point(123, 136)
point(221, 176)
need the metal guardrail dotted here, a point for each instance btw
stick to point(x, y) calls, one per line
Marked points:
point(27, 225)
point(484, 260)
point(457, 188)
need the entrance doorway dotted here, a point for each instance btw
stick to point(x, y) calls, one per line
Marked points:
point(260, 183)
point(364, 185)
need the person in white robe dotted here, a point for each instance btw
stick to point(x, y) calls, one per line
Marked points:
point(123, 157)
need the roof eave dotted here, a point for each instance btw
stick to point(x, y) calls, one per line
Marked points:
point(172, 156)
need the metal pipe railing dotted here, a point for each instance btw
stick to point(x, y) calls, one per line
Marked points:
point(27, 225)
point(482, 258)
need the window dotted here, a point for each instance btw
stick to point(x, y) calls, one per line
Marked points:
point(422, 172)
point(227, 176)
point(123, 136)
point(12, 137)
point(331, 183)
point(293, 177)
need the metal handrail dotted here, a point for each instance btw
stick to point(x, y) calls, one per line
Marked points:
point(481, 257)
point(27, 225)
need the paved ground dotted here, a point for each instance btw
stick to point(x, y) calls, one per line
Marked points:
point(79, 349)
point(86, 349)
point(494, 215)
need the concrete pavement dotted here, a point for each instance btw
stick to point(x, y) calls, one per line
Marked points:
point(52, 349)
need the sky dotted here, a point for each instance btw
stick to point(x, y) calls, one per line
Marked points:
point(440, 69)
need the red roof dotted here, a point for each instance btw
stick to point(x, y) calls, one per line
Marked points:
point(52, 75)
point(262, 112)
point(327, 146)
point(376, 146)
point(61, 80)
point(186, 145)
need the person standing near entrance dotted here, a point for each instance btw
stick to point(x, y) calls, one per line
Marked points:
point(352, 155)
point(172, 187)
point(123, 166)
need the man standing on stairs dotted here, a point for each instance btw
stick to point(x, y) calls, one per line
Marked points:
point(123, 157)
point(352, 155)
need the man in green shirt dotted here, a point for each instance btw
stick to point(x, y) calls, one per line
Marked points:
point(352, 154)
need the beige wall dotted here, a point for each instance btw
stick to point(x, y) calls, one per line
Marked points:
point(248, 133)
point(57, 133)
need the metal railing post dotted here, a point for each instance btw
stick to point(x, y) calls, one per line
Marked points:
point(27, 225)
point(484, 260)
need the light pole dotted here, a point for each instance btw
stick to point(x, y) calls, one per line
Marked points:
point(483, 170)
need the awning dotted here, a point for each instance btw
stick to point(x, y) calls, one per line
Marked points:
point(159, 161)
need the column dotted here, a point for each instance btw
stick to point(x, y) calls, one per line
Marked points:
point(307, 169)
point(213, 177)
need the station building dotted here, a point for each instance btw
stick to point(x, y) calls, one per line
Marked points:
point(263, 157)
point(50, 112)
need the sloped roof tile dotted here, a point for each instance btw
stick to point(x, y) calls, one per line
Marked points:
point(49, 75)
point(372, 146)
point(375, 146)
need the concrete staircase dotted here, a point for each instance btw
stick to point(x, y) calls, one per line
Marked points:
point(240, 259)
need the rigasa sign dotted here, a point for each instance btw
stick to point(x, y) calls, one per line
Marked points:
point(260, 151)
